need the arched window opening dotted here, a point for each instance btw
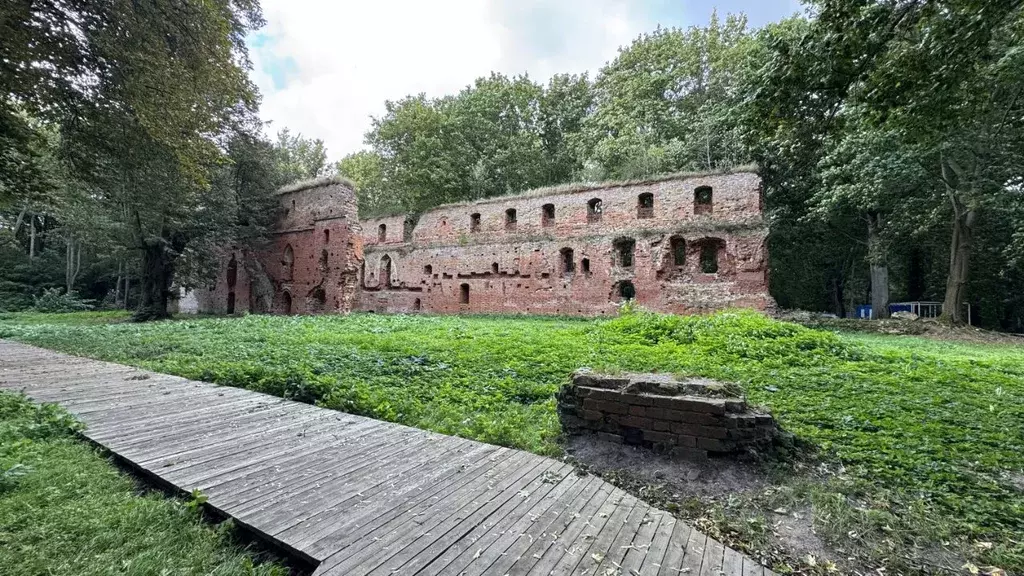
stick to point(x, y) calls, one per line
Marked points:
point(231, 302)
point(464, 294)
point(384, 272)
point(678, 246)
point(416, 304)
point(474, 222)
point(382, 233)
point(288, 264)
point(327, 236)
point(494, 267)
point(585, 265)
point(286, 303)
point(594, 210)
point(703, 200)
point(625, 290)
point(568, 262)
point(547, 215)
point(510, 219)
point(645, 205)
point(624, 248)
point(428, 269)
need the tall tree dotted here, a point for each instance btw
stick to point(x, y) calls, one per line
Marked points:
point(662, 104)
point(300, 158)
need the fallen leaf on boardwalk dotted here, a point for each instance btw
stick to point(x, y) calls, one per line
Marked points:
point(477, 555)
point(598, 557)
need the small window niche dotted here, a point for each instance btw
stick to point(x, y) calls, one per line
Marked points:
point(703, 200)
point(494, 267)
point(678, 247)
point(474, 222)
point(625, 290)
point(568, 261)
point(428, 270)
point(416, 305)
point(382, 233)
point(585, 265)
point(547, 215)
point(327, 236)
point(624, 248)
point(510, 219)
point(464, 294)
point(595, 208)
point(645, 205)
point(710, 248)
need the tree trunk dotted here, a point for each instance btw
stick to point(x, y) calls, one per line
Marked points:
point(31, 237)
point(127, 287)
point(72, 263)
point(878, 261)
point(117, 286)
point(959, 260)
point(158, 259)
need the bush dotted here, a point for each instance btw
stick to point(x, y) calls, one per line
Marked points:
point(52, 300)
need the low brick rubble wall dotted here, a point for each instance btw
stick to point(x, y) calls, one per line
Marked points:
point(690, 418)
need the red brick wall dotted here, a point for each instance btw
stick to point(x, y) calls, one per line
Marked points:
point(314, 220)
point(519, 268)
point(510, 269)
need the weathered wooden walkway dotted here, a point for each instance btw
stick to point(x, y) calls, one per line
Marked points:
point(359, 496)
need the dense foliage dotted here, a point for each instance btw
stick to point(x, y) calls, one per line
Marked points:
point(66, 510)
point(928, 432)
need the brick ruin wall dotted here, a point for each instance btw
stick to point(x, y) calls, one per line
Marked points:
point(681, 245)
point(691, 418)
point(310, 265)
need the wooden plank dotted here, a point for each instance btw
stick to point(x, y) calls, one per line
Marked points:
point(307, 495)
point(523, 548)
point(714, 555)
point(616, 552)
point(751, 567)
point(363, 544)
point(481, 552)
point(671, 564)
point(733, 563)
point(637, 551)
point(224, 425)
point(443, 480)
point(694, 555)
point(565, 537)
point(659, 545)
point(421, 551)
point(583, 546)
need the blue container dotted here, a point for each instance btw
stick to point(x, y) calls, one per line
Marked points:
point(864, 312)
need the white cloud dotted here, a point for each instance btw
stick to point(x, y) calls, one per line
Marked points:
point(343, 58)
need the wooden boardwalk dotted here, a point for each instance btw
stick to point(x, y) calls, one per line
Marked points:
point(356, 496)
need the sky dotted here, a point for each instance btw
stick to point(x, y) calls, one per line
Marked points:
point(324, 67)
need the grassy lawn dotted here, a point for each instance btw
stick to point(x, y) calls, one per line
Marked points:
point(921, 443)
point(66, 510)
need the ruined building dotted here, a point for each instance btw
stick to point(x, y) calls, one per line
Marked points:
point(681, 244)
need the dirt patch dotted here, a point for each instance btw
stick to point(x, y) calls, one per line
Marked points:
point(709, 479)
point(795, 532)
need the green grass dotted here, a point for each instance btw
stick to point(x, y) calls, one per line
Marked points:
point(66, 510)
point(929, 435)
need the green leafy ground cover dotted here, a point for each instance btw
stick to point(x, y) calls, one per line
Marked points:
point(66, 510)
point(925, 439)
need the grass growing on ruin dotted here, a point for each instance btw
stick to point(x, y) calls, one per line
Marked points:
point(66, 510)
point(929, 435)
